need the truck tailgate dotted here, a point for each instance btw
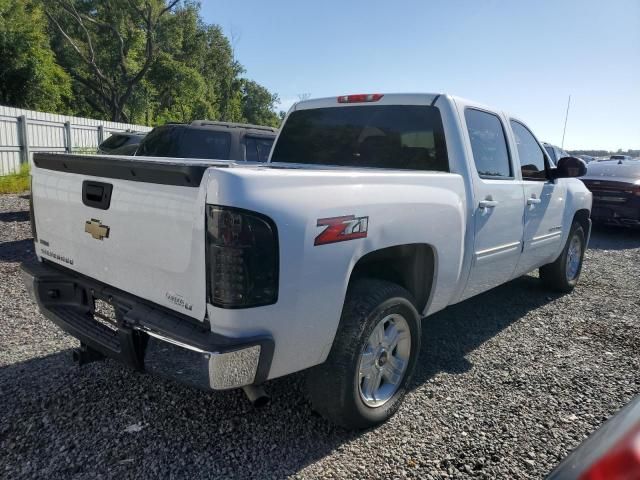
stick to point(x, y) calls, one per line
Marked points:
point(137, 225)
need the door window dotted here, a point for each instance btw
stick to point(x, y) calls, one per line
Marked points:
point(488, 144)
point(257, 149)
point(532, 157)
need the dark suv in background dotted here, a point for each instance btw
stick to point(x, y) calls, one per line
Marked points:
point(210, 140)
point(121, 143)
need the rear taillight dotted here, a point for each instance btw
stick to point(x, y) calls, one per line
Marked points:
point(32, 217)
point(360, 97)
point(242, 258)
point(621, 462)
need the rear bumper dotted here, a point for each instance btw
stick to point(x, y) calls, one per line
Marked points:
point(145, 336)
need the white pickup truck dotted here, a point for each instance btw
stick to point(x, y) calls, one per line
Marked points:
point(374, 211)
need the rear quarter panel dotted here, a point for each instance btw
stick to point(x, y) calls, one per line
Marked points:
point(403, 208)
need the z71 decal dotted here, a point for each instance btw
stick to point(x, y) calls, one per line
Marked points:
point(341, 229)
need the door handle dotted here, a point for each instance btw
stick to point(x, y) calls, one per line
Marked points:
point(533, 201)
point(488, 203)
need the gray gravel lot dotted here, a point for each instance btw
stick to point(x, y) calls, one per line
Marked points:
point(508, 383)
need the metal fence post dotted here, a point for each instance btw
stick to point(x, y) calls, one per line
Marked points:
point(100, 134)
point(67, 137)
point(23, 138)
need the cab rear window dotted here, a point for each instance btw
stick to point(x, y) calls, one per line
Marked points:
point(406, 137)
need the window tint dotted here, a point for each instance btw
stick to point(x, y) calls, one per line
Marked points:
point(488, 144)
point(196, 143)
point(158, 142)
point(531, 157)
point(257, 149)
point(379, 136)
point(184, 142)
point(114, 141)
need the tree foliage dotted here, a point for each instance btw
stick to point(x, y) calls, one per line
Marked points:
point(29, 74)
point(139, 61)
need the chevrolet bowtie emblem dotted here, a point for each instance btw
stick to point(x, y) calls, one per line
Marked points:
point(95, 228)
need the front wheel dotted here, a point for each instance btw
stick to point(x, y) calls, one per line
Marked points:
point(562, 275)
point(371, 362)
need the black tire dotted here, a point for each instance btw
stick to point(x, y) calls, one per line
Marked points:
point(554, 275)
point(333, 387)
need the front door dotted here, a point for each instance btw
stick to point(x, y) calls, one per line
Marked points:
point(499, 204)
point(544, 202)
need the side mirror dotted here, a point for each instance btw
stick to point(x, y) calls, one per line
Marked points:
point(570, 167)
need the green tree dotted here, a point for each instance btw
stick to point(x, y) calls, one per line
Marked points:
point(29, 74)
point(141, 61)
point(180, 92)
point(258, 104)
point(207, 50)
point(108, 46)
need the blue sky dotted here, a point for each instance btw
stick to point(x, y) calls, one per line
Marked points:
point(522, 57)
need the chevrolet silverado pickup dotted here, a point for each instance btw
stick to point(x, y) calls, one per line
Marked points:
point(373, 212)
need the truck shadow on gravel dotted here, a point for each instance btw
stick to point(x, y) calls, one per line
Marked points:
point(19, 216)
point(17, 250)
point(449, 335)
point(105, 419)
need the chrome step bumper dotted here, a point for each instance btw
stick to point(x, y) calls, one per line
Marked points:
point(145, 336)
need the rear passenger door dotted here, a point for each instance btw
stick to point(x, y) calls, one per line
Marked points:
point(499, 203)
point(544, 202)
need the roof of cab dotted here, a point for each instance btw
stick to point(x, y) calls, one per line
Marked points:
point(387, 98)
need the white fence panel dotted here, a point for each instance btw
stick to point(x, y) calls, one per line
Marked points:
point(43, 135)
point(9, 143)
point(84, 137)
point(23, 132)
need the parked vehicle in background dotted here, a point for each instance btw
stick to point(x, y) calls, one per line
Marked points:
point(121, 143)
point(611, 453)
point(615, 185)
point(556, 153)
point(209, 140)
point(621, 157)
point(587, 158)
point(373, 212)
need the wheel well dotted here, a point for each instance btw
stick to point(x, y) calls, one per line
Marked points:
point(411, 266)
point(582, 217)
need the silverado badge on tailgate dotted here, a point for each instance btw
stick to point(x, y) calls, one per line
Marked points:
point(95, 228)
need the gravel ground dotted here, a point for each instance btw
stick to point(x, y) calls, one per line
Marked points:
point(508, 383)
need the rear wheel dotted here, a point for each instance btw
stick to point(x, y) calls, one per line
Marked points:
point(365, 377)
point(563, 274)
